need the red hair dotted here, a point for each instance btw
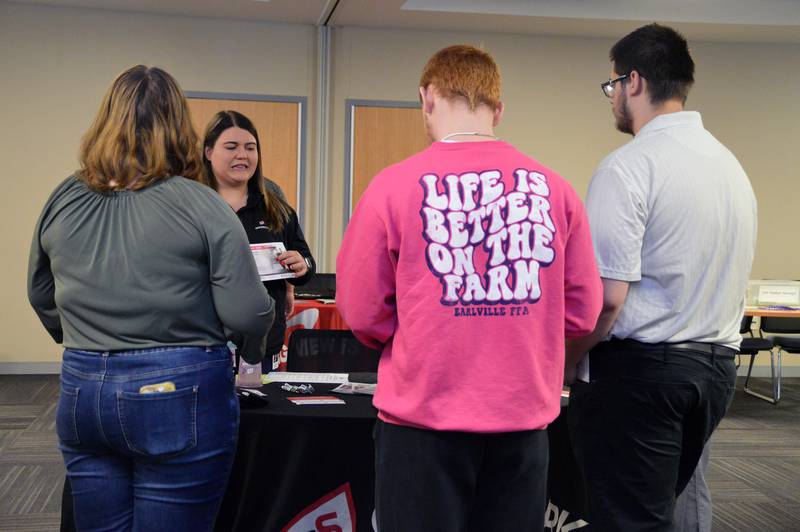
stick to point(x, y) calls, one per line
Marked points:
point(463, 71)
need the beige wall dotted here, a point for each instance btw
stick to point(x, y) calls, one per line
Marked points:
point(555, 110)
point(55, 64)
point(747, 93)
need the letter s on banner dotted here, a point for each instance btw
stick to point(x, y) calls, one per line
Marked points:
point(333, 512)
point(322, 527)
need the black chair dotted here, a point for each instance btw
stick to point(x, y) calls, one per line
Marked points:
point(320, 286)
point(751, 345)
point(789, 344)
point(322, 350)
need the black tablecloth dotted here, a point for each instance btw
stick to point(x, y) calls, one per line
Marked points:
point(566, 509)
point(317, 461)
point(310, 451)
point(290, 457)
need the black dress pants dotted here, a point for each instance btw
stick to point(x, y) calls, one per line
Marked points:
point(431, 481)
point(639, 427)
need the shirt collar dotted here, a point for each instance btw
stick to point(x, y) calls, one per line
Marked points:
point(681, 118)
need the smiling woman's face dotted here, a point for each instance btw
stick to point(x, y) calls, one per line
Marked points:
point(233, 157)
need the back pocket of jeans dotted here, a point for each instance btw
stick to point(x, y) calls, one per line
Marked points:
point(159, 424)
point(66, 420)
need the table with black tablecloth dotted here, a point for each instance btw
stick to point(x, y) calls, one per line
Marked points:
point(317, 461)
point(566, 509)
point(291, 457)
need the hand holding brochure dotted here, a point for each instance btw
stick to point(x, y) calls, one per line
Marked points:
point(266, 257)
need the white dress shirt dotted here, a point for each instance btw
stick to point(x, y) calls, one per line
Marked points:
point(672, 212)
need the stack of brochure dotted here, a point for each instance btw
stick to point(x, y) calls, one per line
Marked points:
point(355, 388)
point(341, 379)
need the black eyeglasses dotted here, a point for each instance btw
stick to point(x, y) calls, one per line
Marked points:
point(608, 86)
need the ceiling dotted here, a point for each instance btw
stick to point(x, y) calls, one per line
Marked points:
point(715, 20)
point(291, 11)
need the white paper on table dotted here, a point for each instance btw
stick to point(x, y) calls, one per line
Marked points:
point(356, 388)
point(316, 400)
point(299, 376)
point(265, 255)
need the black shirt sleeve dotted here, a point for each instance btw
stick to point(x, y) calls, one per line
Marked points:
point(295, 240)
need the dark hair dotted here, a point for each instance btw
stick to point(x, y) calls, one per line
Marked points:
point(142, 133)
point(276, 211)
point(661, 56)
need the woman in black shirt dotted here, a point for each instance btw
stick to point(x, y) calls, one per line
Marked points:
point(232, 161)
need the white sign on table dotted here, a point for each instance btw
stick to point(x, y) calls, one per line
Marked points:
point(778, 295)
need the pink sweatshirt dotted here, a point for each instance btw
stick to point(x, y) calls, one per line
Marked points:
point(468, 264)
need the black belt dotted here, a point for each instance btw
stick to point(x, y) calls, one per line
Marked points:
point(697, 347)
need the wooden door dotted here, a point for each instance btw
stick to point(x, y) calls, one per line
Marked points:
point(382, 136)
point(278, 126)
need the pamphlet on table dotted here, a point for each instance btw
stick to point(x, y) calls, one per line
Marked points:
point(351, 388)
point(316, 400)
point(297, 376)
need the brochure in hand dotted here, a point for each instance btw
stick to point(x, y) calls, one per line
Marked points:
point(266, 257)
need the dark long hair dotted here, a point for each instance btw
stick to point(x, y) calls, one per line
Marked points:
point(276, 210)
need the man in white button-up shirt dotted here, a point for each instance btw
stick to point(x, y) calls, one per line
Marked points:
point(673, 219)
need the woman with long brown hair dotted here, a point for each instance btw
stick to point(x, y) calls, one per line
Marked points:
point(232, 167)
point(138, 269)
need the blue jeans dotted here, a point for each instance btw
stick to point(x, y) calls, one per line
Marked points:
point(147, 461)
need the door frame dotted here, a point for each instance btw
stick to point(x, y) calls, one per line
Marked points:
point(349, 130)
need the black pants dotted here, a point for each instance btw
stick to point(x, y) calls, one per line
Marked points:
point(431, 481)
point(638, 429)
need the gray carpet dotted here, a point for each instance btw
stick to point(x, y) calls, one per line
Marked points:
point(754, 473)
point(31, 470)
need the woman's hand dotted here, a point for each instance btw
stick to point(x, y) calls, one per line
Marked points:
point(294, 262)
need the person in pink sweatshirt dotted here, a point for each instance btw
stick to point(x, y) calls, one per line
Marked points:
point(467, 265)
